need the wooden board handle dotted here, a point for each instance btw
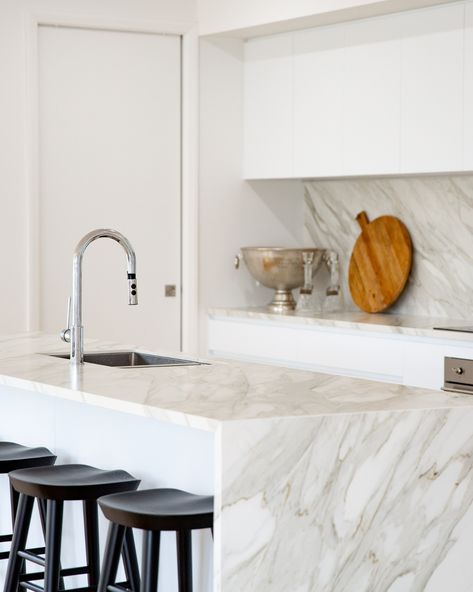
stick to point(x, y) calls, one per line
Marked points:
point(362, 220)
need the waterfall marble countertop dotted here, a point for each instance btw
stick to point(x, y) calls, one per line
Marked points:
point(355, 320)
point(322, 483)
point(202, 396)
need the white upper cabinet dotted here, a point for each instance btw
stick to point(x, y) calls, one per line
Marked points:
point(468, 101)
point(268, 91)
point(386, 95)
point(371, 97)
point(318, 101)
point(432, 90)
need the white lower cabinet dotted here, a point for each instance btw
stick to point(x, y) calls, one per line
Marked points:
point(383, 356)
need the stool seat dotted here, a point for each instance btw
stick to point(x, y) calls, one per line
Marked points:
point(159, 509)
point(70, 482)
point(15, 456)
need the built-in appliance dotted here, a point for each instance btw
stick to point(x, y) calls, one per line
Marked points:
point(458, 375)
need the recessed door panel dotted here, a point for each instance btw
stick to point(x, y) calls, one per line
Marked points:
point(109, 151)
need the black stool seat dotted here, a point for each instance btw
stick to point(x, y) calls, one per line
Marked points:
point(159, 509)
point(15, 456)
point(71, 482)
point(153, 511)
point(52, 487)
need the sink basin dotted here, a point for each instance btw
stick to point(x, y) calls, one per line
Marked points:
point(130, 359)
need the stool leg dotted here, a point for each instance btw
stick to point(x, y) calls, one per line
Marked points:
point(91, 527)
point(14, 499)
point(54, 514)
point(130, 561)
point(184, 560)
point(149, 575)
point(111, 559)
point(42, 518)
point(20, 535)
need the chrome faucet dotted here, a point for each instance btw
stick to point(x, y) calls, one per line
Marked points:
point(75, 331)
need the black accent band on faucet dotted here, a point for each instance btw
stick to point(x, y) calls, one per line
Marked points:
point(132, 276)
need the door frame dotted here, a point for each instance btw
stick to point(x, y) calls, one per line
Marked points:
point(189, 157)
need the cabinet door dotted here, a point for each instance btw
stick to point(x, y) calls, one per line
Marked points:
point(432, 90)
point(268, 108)
point(372, 97)
point(318, 92)
point(468, 100)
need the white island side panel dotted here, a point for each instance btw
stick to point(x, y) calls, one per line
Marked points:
point(159, 453)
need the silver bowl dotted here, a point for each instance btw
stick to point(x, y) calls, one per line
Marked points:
point(280, 269)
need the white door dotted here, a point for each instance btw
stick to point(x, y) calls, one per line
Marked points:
point(468, 88)
point(109, 152)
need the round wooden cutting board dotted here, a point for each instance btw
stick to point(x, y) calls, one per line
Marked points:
point(380, 262)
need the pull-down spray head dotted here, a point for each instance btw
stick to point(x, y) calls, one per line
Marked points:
point(132, 289)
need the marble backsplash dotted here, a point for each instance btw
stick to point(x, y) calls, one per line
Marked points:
point(437, 210)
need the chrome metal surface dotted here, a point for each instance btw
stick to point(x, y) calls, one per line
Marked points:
point(280, 269)
point(332, 260)
point(458, 375)
point(75, 331)
point(130, 359)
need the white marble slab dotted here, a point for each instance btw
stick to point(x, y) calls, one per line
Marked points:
point(393, 323)
point(438, 211)
point(356, 503)
point(203, 396)
point(322, 483)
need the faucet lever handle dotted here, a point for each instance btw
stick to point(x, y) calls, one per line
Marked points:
point(66, 333)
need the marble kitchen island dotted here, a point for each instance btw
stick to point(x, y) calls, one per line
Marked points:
point(321, 483)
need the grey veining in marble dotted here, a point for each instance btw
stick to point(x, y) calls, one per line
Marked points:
point(366, 503)
point(438, 211)
point(204, 396)
point(322, 483)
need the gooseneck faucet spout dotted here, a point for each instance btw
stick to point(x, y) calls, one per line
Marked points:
point(75, 331)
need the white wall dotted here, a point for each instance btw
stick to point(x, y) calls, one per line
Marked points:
point(14, 106)
point(261, 17)
point(234, 213)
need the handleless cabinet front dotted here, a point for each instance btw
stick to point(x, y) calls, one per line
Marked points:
point(268, 146)
point(372, 97)
point(318, 101)
point(432, 90)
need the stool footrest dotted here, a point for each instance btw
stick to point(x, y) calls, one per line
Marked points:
point(36, 588)
point(33, 556)
point(30, 552)
point(27, 579)
point(6, 538)
point(118, 588)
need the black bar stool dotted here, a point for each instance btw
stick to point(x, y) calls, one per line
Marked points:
point(15, 456)
point(57, 484)
point(153, 511)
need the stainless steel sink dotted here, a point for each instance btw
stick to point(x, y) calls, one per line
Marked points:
point(130, 359)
